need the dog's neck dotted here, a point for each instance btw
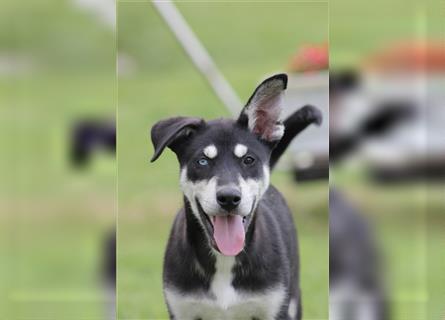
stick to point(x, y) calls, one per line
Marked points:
point(196, 238)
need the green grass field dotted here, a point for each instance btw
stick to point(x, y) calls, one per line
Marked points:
point(53, 219)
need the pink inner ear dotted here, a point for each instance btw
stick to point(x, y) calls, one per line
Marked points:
point(264, 125)
point(266, 115)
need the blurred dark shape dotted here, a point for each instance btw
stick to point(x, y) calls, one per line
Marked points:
point(318, 171)
point(109, 273)
point(386, 116)
point(109, 258)
point(89, 136)
point(430, 169)
point(355, 276)
point(342, 81)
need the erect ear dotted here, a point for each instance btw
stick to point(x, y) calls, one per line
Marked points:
point(262, 112)
point(166, 133)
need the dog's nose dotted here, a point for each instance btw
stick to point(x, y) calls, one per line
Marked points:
point(228, 198)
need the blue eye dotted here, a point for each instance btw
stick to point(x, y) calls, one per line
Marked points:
point(203, 162)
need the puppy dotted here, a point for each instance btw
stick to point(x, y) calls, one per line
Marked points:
point(232, 251)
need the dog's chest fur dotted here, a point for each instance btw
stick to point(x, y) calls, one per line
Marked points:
point(223, 301)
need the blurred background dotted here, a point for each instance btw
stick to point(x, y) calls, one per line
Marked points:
point(387, 155)
point(157, 80)
point(57, 70)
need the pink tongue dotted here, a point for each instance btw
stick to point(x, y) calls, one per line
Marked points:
point(228, 232)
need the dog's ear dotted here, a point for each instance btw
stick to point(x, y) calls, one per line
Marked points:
point(166, 133)
point(262, 112)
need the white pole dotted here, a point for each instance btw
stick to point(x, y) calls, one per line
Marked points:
point(199, 55)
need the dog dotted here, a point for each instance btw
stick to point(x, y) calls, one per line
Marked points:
point(232, 251)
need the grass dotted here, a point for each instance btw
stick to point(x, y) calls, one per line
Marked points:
point(53, 219)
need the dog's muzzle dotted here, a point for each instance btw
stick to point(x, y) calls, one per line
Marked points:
point(226, 231)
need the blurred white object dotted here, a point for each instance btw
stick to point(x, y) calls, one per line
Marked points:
point(126, 64)
point(104, 10)
point(16, 64)
point(412, 147)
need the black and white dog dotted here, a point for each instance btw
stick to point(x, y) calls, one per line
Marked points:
point(232, 252)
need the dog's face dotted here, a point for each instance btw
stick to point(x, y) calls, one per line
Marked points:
point(224, 173)
point(225, 163)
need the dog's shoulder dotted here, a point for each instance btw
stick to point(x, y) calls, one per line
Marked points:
point(276, 223)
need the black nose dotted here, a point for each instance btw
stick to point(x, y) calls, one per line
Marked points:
point(228, 198)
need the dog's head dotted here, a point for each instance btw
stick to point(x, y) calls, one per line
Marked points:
point(225, 163)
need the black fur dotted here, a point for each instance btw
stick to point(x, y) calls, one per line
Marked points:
point(88, 136)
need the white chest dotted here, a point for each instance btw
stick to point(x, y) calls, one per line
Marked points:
point(223, 301)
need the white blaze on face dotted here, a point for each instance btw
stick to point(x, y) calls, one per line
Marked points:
point(210, 151)
point(252, 190)
point(203, 190)
point(240, 150)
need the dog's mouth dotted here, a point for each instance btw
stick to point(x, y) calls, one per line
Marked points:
point(226, 232)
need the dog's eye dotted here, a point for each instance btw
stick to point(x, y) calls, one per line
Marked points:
point(248, 160)
point(203, 162)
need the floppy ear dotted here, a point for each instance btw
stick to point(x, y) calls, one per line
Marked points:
point(262, 112)
point(166, 132)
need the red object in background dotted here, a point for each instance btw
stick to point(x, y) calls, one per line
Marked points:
point(310, 58)
point(409, 56)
